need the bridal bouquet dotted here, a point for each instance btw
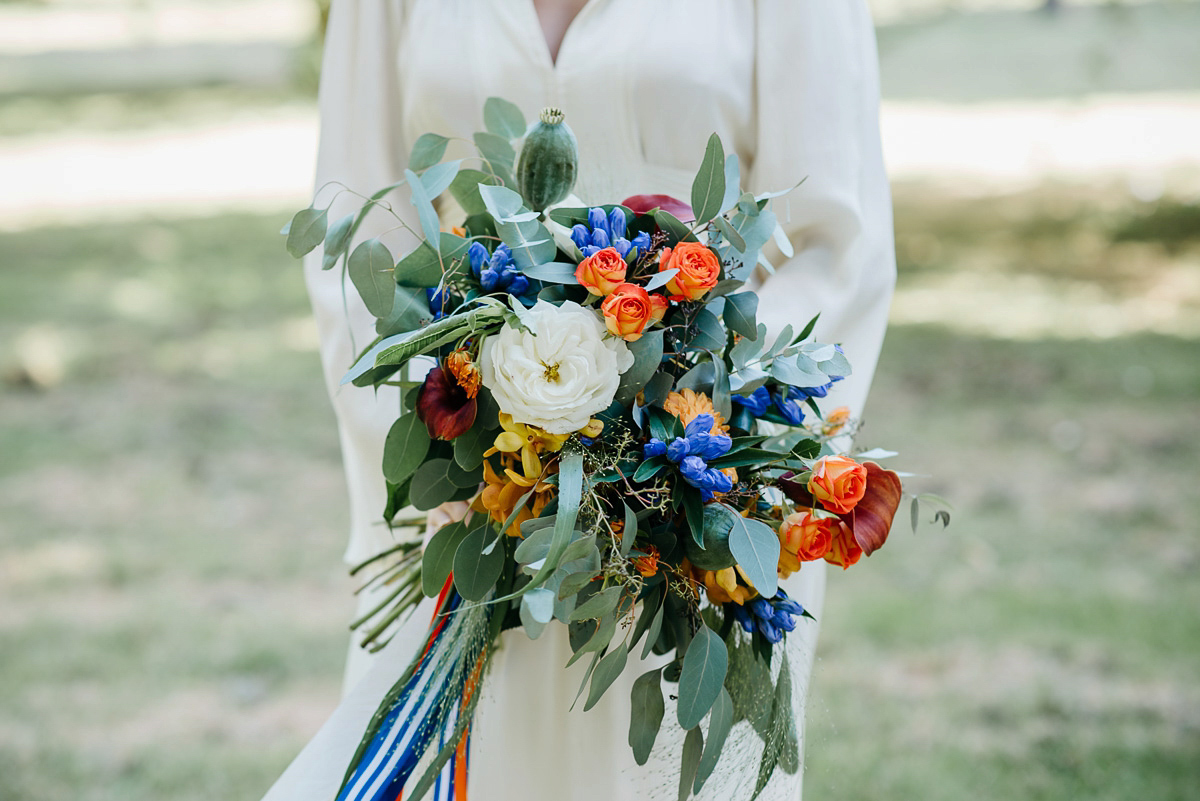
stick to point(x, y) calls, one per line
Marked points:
point(637, 459)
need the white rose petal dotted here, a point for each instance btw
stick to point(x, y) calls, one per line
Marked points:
point(560, 378)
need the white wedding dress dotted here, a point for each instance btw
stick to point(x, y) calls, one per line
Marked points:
point(791, 86)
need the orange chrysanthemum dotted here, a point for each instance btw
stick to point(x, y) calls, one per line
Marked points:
point(688, 405)
point(464, 371)
point(647, 565)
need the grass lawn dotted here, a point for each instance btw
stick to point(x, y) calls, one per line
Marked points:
point(172, 605)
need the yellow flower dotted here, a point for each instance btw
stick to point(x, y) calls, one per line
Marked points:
point(723, 586)
point(688, 405)
point(530, 441)
point(503, 490)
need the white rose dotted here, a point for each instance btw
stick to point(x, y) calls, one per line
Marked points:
point(558, 379)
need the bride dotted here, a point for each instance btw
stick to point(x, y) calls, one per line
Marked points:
point(791, 86)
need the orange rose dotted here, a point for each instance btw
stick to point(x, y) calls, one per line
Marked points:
point(843, 548)
point(838, 483)
point(601, 272)
point(698, 270)
point(803, 537)
point(629, 309)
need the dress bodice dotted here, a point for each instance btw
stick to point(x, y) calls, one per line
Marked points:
point(643, 84)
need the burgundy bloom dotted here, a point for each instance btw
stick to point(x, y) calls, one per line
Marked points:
point(641, 204)
point(443, 405)
point(871, 518)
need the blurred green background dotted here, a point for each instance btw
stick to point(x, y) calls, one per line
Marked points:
point(172, 510)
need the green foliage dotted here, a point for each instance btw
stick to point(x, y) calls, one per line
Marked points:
point(646, 713)
point(708, 188)
point(370, 269)
point(704, 666)
point(306, 231)
point(405, 448)
point(478, 561)
point(438, 558)
point(755, 546)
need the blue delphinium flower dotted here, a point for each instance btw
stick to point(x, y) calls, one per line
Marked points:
point(790, 408)
point(496, 271)
point(692, 452)
point(602, 231)
point(771, 618)
point(756, 402)
point(439, 302)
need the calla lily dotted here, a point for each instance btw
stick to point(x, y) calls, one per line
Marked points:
point(871, 517)
point(443, 405)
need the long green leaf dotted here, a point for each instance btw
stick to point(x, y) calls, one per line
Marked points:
point(430, 225)
point(405, 448)
point(438, 559)
point(606, 672)
point(647, 358)
point(720, 721)
point(306, 231)
point(475, 569)
point(708, 188)
point(370, 269)
point(427, 151)
point(503, 118)
point(646, 713)
point(693, 748)
point(703, 676)
point(755, 546)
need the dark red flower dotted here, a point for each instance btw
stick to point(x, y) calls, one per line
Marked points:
point(871, 517)
point(443, 405)
point(641, 204)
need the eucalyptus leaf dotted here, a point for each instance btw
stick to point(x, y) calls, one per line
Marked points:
point(541, 604)
point(628, 531)
point(720, 721)
point(693, 748)
point(465, 190)
point(370, 269)
point(733, 181)
point(427, 151)
point(708, 188)
point(661, 278)
point(475, 570)
point(710, 334)
point(647, 353)
point(438, 559)
point(755, 546)
point(670, 223)
point(555, 272)
point(410, 310)
point(570, 493)
point(469, 447)
point(598, 605)
point(405, 448)
point(503, 118)
point(337, 239)
point(740, 313)
point(646, 709)
point(798, 371)
point(653, 632)
point(703, 675)
point(437, 179)
point(431, 485)
point(306, 231)
point(430, 225)
point(497, 150)
point(424, 267)
point(731, 234)
point(606, 672)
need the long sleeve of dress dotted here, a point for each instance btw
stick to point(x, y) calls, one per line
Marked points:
point(817, 87)
point(361, 150)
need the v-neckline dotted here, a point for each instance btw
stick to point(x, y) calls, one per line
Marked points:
point(553, 61)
